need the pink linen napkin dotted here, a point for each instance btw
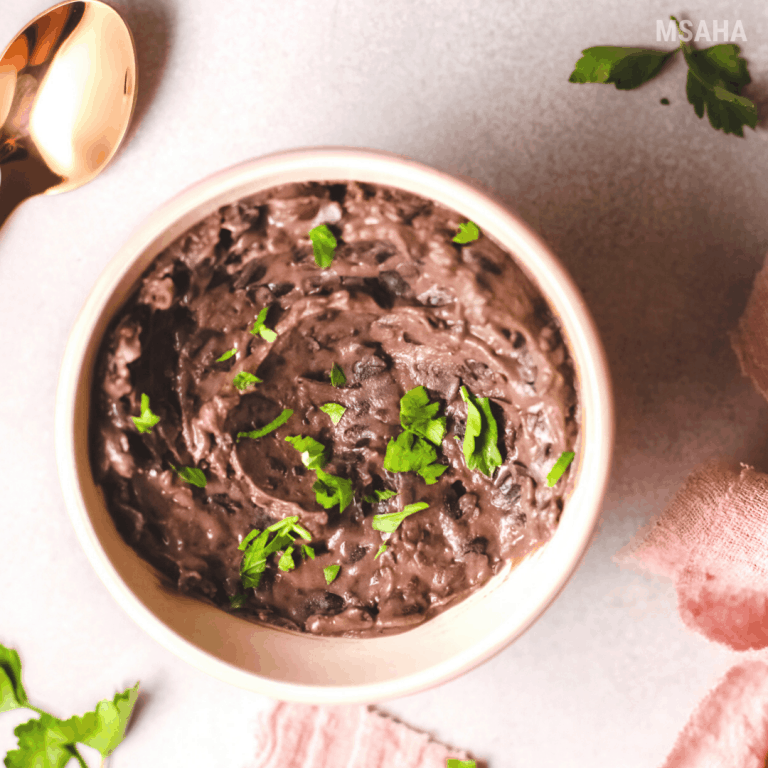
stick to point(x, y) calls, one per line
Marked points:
point(712, 541)
point(307, 736)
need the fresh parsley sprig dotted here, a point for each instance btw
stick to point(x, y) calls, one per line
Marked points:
point(244, 379)
point(338, 379)
point(229, 353)
point(334, 410)
point(716, 76)
point(257, 548)
point(331, 490)
point(147, 420)
point(380, 496)
point(260, 329)
point(417, 415)
point(48, 742)
point(314, 455)
point(468, 233)
point(331, 572)
point(323, 245)
point(480, 447)
point(191, 475)
point(389, 523)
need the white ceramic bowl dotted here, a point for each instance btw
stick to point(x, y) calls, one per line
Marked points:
point(292, 666)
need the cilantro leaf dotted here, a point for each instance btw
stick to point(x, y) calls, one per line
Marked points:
point(417, 415)
point(104, 728)
point(313, 454)
point(191, 475)
point(237, 601)
point(331, 572)
point(716, 76)
point(330, 490)
point(559, 469)
point(267, 428)
point(285, 563)
point(259, 328)
point(323, 245)
point(380, 496)
point(307, 551)
point(229, 353)
point(338, 379)
point(334, 410)
point(481, 437)
point(388, 523)
point(626, 68)
point(410, 453)
point(382, 550)
point(468, 233)
point(147, 420)
point(243, 380)
point(12, 694)
point(41, 744)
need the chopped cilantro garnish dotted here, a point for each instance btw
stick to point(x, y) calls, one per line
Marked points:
point(560, 466)
point(716, 76)
point(307, 551)
point(46, 741)
point(382, 550)
point(147, 420)
point(229, 353)
point(331, 490)
point(331, 572)
point(191, 475)
point(237, 601)
point(410, 453)
point(468, 232)
point(388, 523)
point(482, 434)
point(243, 380)
point(313, 454)
point(285, 563)
point(417, 415)
point(259, 328)
point(454, 762)
point(338, 379)
point(380, 496)
point(323, 245)
point(334, 410)
point(267, 428)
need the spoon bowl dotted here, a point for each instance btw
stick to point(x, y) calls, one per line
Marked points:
point(67, 93)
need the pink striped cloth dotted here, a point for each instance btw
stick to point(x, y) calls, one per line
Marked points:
point(307, 736)
point(712, 541)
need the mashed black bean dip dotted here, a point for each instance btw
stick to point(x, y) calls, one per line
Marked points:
point(401, 306)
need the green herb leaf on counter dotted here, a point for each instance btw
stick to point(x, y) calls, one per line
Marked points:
point(334, 410)
point(382, 550)
point(331, 572)
point(313, 454)
point(379, 496)
point(626, 68)
point(338, 379)
point(147, 420)
point(191, 475)
point(454, 762)
point(482, 434)
point(285, 563)
point(243, 380)
point(267, 428)
point(559, 469)
point(411, 453)
point(417, 415)
point(468, 232)
point(716, 76)
point(47, 742)
point(229, 353)
point(331, 490)
point(307, 551)
point(236, 602)
point(389, 523)
point(259, 328)
point(323, 245)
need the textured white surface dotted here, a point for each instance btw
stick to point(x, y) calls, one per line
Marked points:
point(660, 219)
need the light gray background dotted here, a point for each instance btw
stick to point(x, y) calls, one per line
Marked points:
point(661, 220)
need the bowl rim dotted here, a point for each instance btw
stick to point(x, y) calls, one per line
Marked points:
point(548, 274)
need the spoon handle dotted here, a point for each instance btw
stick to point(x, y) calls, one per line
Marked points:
point(14, 189)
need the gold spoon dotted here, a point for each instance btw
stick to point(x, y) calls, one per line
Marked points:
point(67, 92)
